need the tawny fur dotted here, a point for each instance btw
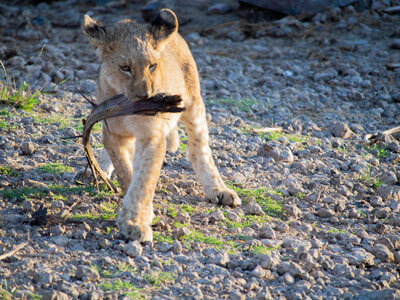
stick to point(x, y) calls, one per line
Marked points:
point(139, 61)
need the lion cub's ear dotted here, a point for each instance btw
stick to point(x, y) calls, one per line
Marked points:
point(163, 26)
point(97, 35)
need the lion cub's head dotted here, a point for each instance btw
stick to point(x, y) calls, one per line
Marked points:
point(130, 53)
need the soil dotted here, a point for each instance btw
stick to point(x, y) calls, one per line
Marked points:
point(321, 199)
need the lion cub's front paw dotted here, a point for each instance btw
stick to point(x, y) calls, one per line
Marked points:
point(133, 231)
point(226, 197)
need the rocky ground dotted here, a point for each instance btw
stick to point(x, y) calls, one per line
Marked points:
point(321, 215)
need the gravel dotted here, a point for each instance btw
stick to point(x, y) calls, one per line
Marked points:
point(321, 208)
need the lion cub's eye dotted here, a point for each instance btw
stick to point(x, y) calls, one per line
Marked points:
point(126, 69)
point(152, 67)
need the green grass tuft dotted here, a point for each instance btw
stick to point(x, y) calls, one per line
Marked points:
point(271, 207)
point(158, 278)
point(8, 171)
point(243, 105)
point(54, 168)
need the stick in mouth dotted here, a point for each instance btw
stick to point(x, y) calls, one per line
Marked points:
point(117, 106)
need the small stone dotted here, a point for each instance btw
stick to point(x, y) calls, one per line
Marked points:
point(219, 9)
point(86, 273)
point(236, 295)
point(388, 177)
point(233, 216)
point(326, 212)
point(276, 151)
point(253, 208)
point(61, 241)
point(192, 292)
point(291, 210)
point(264, 294)
point(258, 272)
point(133, 249)
point(177, 247)
point(104, 243)
point(57, 230)
point(395, 44)
point(326, 75)
point(163, 247)
point(27, 148)
point(28, 35)
point(268, 261)
point(88, 86)
point(182, 231)
point(216, 216)
point(387, 294)
point(394, 146)
point(43, 277)
point(57, 204)
point(340, 129)
point(172, 188)
point(383, 253)
point(382, 213)
point(267, 232)
point(220, 258)
point(80, 235)
point(17, 61)
point(295, 244)
point(384, 191)
point(57, 77)
point(54, 295)
point(27, 205)
point(182, 217)
point(359, 257)
point(288, 279)
point(293, 186)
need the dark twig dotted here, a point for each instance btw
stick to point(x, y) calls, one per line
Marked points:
point(86, 98)
point(93, 104)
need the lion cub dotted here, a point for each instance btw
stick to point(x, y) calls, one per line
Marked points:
point(140, 61)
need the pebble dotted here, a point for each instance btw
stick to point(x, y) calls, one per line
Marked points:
point(86, 273)
point(253, 208)
point(340, 129)
point(27, 205)
point(267, 232)
point(17, 61)
point(326, 75)
point(133, 249)
point(326, 213)
point(276, 151)
point(54, 295)
point(221, 259)
point(383, 253)
point(163, 247)
point(395, 44)
point(219, 9)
